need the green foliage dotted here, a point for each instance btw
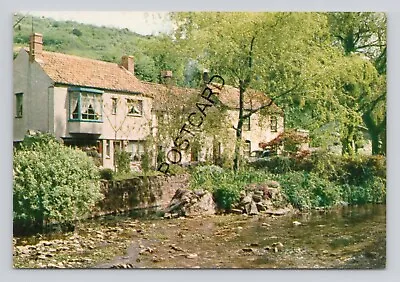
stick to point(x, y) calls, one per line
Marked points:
point(224, 184)
point(145, 162)
point(122, 161)
point(308, 190)
point(52, 183)
point(175, 169)
point(226, 195)
point(373, 191)
point(107, 174)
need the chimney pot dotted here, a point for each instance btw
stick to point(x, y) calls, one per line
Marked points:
point(128, 63)
point(166, 77)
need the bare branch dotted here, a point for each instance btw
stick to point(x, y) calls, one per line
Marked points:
point(270, 102)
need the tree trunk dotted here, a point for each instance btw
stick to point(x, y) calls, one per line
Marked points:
point(236, 160)
point(348, 144)
point(374, 131)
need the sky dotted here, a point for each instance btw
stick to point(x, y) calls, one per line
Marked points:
point(144, 23)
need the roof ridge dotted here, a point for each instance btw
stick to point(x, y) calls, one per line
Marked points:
point(79, 57)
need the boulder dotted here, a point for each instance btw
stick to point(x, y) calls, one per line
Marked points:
point(253, 209)
point(205, 205)
point(191, 203)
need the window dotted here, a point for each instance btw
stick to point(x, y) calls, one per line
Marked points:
point(19, 105)
point(135, 107)
point(85, 105)
point(246, 124)
point(247, 148)
point(274, 124)
point(114, 106)
point(137, 150)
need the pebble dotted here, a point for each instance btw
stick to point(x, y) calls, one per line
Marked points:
point(296, 223)
point(191, 256)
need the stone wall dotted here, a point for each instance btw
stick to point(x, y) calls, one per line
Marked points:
point(153, 192)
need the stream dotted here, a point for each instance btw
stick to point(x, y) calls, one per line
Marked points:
point(347, 237)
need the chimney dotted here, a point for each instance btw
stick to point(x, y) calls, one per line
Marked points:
point(128, 63)
point(35, 46)
point(166, 77)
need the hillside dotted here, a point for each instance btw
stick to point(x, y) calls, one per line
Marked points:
point(102, 43)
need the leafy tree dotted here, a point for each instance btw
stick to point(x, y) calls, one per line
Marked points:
point(365, 33)
point(271, 52)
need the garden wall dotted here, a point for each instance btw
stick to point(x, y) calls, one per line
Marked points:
point(153, 192)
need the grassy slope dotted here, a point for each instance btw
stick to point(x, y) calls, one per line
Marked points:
point(101, 43)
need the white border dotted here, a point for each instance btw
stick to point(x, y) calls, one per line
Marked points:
point(393, 246)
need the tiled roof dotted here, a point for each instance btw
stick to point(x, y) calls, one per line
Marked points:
point(167, 96)
point(79, 71)
point(74, 70)
point(228, 96)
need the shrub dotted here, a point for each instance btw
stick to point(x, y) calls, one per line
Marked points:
point(226, 195)
point(276, 164)
point(106, 173)
point(122, 161)
point(52, 183)
point(145, 162)
point(175, 169)
point(307, 190)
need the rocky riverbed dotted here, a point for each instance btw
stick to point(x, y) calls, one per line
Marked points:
point(352, 237)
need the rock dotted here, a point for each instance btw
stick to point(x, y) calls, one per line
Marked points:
point(296, 223)
point(239, 228)
point(248, 250)
point(246, 200)
point(247, 208)
point(273, 184)
point(253, 209)
point(167, 215)
point(188, 203)
point(257, 198)
point(259, 193)
point(254, 244)
point(265, 224)
point(175, 248)
point(191, 256)
point(156, 259)
point(203, 206)
point(236, 211)
point(261, 207)
point(199, 193)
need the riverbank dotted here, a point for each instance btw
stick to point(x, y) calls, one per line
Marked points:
point(348, 237)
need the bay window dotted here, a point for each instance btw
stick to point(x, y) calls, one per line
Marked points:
point(85, 104)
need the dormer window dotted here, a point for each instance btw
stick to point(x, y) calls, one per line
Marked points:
point(85, 104)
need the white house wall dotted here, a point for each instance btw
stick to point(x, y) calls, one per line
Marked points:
point(36, 86)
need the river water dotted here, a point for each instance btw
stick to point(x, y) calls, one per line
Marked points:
point(349, 237)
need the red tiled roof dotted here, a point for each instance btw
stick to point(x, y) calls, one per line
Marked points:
point(74, 70)
point(79, 71)
point(228, 96)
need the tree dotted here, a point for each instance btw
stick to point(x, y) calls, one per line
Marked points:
point(365, 33)
point(271, 52)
